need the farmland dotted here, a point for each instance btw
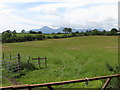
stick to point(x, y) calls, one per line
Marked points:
point(67, 58)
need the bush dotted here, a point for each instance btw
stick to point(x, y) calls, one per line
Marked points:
point(56, 37)
point(20, 39)
point(24, 65)
point(64, 36)
point(48, 37)
point(74, 35)
point(114, 70)
point(29, 38)
point(40, 37)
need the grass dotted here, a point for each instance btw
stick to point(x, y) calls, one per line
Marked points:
point(68, 59)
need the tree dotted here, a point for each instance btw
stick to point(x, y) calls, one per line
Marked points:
point(69, 30)
point(23, 31)
point(95, 32)
point(77, 32)
point(8, 37)
point(113, 31)
point(104, 32)
point(32, 32)
point(39, 32)
point(65, 29)
point(88, 32)
point(14, 32)
point(7, 33)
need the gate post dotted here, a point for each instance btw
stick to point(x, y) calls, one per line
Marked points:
point(19, 68)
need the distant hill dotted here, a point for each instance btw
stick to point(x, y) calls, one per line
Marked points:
point(49, 30)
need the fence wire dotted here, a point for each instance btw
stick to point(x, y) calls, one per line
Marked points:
point(9, 66)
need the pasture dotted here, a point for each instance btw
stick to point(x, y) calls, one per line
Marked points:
point(67, 59)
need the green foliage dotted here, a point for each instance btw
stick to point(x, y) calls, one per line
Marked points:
point(8, 36)
point(49, 37)
point(113, 31)
point(114, 70)
point(23, 31)
point(67, 30)
point(11, 37)
point(5, 82)
point(14, 32)
point(56, 37)
point(74, 34)
point(39, 32)
point(25, 65)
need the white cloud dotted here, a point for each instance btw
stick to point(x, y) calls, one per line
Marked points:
point(82, 1)
point(101, 13)
point(52, 8)
point(93, 14)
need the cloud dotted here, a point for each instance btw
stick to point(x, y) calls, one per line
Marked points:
point(82, 1)
point(93, 14)
point(94, 17)
point(71, 13)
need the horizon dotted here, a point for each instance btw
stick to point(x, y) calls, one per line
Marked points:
point(35, 14)
point(60, 30)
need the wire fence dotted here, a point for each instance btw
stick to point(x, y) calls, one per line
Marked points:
point(9, 66)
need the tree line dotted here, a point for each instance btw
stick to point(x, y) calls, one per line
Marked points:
point(11, 36)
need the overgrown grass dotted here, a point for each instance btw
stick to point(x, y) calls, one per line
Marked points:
point(114, 70)
point(68, 59)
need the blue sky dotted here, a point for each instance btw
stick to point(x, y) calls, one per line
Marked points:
point(33, 14)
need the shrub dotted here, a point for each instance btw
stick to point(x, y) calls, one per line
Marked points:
point(64, 36)
point(48, 37)
point(40, 37)
point(114, 70)
point(56, 37)
point(24, 65)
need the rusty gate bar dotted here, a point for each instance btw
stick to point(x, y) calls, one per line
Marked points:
point(58, 83)
point(50, 88)
point(106, 83)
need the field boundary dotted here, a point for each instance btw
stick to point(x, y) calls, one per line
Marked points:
point(10, 65)
point(49, 85)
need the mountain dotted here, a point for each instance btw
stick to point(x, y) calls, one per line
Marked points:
point(49, 30)
point(45, 29)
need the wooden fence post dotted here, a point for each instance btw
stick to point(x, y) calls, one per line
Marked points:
point(3, 56)
point(39, 61)
point(10, 56)
point(28, 62)
point(19, 63)
point(45, 62)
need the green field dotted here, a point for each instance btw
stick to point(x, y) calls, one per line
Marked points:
point(68, 59)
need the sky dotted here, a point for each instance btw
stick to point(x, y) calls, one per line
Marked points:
point(34, 14)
